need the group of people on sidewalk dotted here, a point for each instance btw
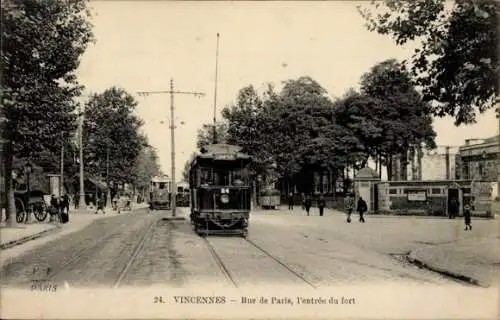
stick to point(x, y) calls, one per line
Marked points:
point(361, 206)
point(59, 208)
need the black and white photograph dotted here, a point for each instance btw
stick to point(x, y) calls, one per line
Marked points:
point(250, 159)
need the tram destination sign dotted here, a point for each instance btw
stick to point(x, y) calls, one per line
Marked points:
point(224, 156)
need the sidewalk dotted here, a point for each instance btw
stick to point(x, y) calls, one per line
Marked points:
point(474, 260)
point(437, 243)
point(78, 219)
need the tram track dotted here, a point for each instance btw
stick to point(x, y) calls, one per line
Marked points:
point(284, 265)
point(139, 247)
point(81, 254)
point(230, 277)
point(220, 264)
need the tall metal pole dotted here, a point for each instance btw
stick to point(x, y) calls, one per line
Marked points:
point(172, 136)
point(215, 93)
point(81, 203)
point(108, 194)
point(447, 159)
point(61, 179)
point(172, 130)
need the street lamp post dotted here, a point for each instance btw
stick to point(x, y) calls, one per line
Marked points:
point(172, 92)
point(27, 169)
point(81, 203)
point(108, 195)
point(61, 179)
point(483, 173)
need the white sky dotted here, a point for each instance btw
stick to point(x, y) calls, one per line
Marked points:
point(142, 44)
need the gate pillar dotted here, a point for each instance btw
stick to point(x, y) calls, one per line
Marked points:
point(365, 185)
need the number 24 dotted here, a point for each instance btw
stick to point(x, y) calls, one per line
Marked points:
point(158, 299)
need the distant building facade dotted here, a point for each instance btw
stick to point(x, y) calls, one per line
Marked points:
point(478, 160)
point(437, 164)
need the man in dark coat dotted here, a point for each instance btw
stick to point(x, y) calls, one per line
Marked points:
point(307, 204)
point(290, 201)
point(54, 209)
point(361, 208)
point(467, 215)
point(349, 206)
point(453, 208)
point(321, 205)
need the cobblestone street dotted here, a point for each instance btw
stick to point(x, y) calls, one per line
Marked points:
point(282, 248)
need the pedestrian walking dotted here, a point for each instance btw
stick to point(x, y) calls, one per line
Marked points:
point(100, 206)
point(64, 208)
point(453, 208)
point(290, 201)
point(349, 206)
point(361, 208)
point(321, 205)
point(307, 204)
point(54, 209)
point(467, 216)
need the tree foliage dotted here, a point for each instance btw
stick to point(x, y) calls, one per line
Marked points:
point(146, 166)
point(111, 129)
point(300, 130)
point(187, 167)
point(403, 116)
point(42, 42)
point(457, 62)
point(205, 135)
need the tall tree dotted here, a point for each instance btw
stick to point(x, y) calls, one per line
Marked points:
point(248, 127)
point(187, 167)
point(398, 111)
point(205, 135)
point(42, 42)
point(111, 131)
point(457, 62)
point(146, 166)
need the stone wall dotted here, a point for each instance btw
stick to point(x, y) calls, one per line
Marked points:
point(430, 197)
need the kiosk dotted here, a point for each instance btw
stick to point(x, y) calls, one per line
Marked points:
point(365, 185)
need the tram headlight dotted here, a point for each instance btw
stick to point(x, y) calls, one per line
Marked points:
point(224, 198)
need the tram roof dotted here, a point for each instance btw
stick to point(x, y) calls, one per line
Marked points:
point(222, 152)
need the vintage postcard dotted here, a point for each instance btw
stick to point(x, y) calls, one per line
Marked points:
point(249, 159)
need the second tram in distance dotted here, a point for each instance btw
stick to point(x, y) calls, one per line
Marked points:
point(160, 193)
point(220, 190)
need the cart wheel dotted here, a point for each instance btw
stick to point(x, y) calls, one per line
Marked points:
point(20, 210)
point(40, 211)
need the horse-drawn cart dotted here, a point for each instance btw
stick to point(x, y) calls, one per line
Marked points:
point(30, 203)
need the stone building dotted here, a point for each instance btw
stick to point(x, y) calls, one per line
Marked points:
point(478, 159)
point(437, 164)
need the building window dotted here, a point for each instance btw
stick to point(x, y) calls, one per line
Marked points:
point(393, 191)
point(325, 184)
point(435, 191)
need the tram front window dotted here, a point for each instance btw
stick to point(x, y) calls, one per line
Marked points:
point(206, 176)
point(239, 177)
point(221, 177)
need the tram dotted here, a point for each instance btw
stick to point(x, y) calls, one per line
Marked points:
point(160, 193)
point(220, 190)
point(183, 195)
